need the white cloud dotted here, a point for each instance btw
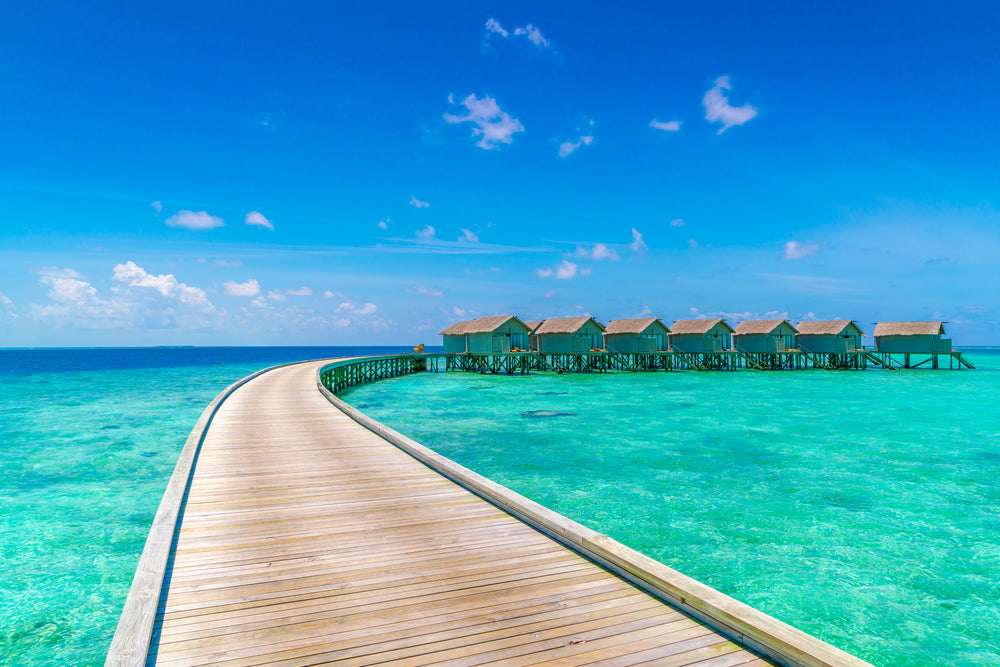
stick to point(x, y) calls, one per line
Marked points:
point(564, 271)
point(355, 310)
point(666, 126)
point(167, 285)
point(5, 300)
point(493, 26)
point(645, 312)
point(586, 271)
point(302, 291)
point(257, 219)
point(426, 234)
point(224, 262)
point(550, 294)
point(416, 203)
point(468, 237)
point(194, 220)
point(533, 35)
point(383, 224)
point(637, 244)
point(249, 288)
point(259, 302)
point(332, 295)
point(598, 252)
point(693, 244)
point(494, 126)
point(677, 222)
point(796, 250)
point(277, 295)
point(138, 299)
point(718, 109)
point(567, 147)
point(423, 291)
point(157, 206)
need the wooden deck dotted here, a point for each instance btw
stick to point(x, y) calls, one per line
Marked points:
point(304, 538)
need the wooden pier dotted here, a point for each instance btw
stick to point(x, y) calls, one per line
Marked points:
point(599, 361)
point(297, 531)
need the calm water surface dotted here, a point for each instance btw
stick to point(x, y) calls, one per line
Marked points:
point(862, 507)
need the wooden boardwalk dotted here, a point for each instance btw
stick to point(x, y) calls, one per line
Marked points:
point(305, 538)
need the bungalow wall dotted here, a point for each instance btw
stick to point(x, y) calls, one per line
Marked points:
point(633, 343)
point(454, 344)
point(921, 344)
point(699, 343)
point(588, 336)
point(778, 340)
point(828, 343)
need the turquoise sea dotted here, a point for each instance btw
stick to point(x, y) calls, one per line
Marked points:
point(88, 440)
point(863, 507)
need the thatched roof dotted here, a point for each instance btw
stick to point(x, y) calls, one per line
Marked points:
point(533, 324)
point(909, 328)
point(558, 325)
point(634, 326)
point(697, 326)
point(478, 325)
point(760, 327)
point(826, 327)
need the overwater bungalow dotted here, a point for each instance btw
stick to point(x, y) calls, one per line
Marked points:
point(829, 336)
point(561, 335)
point(911, 338)
point(486, 335)
point(699, 336)
point(634, 336)
point(764, 336)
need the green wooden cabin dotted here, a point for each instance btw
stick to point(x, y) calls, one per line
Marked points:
point(764, 336)
point(564, 335)
point(699, 336)
point(829, 336)
point(486, 335)
point(635, 336)
point(911, 338)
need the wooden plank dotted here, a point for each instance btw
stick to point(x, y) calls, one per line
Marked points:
point(307, 538)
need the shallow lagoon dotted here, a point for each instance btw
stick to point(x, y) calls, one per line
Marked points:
point(862, 507)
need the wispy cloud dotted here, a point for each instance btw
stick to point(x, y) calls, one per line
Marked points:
point(666, 126)
point(277, 295)
point(493, 26)
point(416, 203)
point(563, 271)
point(383, 224)
point(568, 147)
point(257, 219)
point(796, 250)
point(718, 109)
point(249, 288)
point(677, 222)
point(194, 220)
point(528, 32)
point(423, 291)
point(157, 206)
point(533, 35)
point(493, 125)
point(468, 237)
point(637, 244)
point(302, 291)
point(425, 234)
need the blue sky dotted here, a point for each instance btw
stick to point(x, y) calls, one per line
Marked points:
point(368, 173)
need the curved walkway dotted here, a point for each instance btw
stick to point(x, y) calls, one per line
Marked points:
point(307, 539)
